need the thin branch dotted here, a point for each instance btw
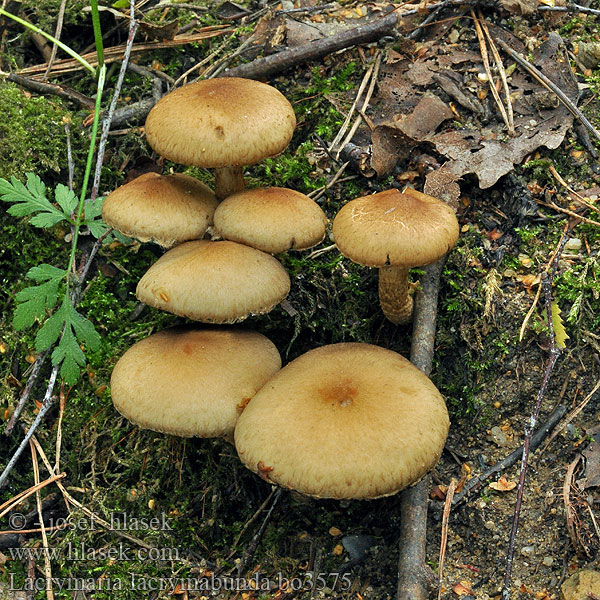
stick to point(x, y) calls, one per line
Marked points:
point(33, 377)
point(46, 405)
point(530, 426)
point(133, 25)
point(549, 85)
point(43, 87)
point(541, 433)
point(57, 33)
point(263, 68)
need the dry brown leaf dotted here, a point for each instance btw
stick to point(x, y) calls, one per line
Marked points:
point(503, 485)
point(462, 588)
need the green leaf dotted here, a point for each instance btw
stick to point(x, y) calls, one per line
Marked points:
point(34, 301)
point(45, 272)
point(66, 199)
point(50, 330)
point(93, 218)
point(76, 330)
point(31, 199)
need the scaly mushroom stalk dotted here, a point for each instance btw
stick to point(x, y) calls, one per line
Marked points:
point(394, 298)
point(228, 181)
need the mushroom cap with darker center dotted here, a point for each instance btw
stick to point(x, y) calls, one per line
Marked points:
point(214, 282)
point(221, 122)
point(395, 229)
point(271, 219)
point(192, 382)
point(166, 209)
point(344, 421)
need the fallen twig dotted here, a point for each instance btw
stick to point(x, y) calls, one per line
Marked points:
point(263, 68)
point(115, 53)
point(549, 85)
point(547, 279)
point(538, 437)
point(415, 578)
point(43, 87)
point(251, 547)
point(572, 414)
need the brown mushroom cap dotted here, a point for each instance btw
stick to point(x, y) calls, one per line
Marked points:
point(214, 282)
point(192, 382)
point(395, 229)
point(166, 209)
point(344, 421)
point(271, 219)
point(221, 122)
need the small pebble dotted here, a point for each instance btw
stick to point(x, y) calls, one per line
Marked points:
point(548, 561)
point(527, 550)
point(357, 545)
point(498, 436)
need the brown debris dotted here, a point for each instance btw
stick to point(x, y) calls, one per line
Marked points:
point(481, 145)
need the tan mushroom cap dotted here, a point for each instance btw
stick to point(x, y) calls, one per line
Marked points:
point(271, 219)
point(192, 382)
point(221, 122)
point(166, 209)
point(344, 421)
point(214, 282)
point(395, 229)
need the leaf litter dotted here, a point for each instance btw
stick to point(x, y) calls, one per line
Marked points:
point(439, 100)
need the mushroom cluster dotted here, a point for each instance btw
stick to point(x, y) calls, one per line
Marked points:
point(341, 421)
point(196, 381)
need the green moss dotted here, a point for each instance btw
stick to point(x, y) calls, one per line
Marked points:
point(33, 135)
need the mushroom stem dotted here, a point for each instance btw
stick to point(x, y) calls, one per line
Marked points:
point(228, 180)
point(396, 303)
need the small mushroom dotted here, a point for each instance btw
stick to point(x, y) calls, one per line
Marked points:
point(214, 282)
point(222, 124)
point(271, 219)
point(192, 382)
point(166, 209)
point(395, 232)
point(344, 421)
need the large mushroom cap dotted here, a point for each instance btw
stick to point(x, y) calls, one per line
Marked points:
point(271, 219)
point(344, 421)
point(395, 229)
point(166, 209)
point(214, 282)
point(191, 382)
point(221, 122)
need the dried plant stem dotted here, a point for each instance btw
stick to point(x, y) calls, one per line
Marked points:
point(7, 506)
point(444, 541)
point(69, 500)
point(530, 426)
point(133, 25)
point(488, 70)
point(501, 72)
point(549, 85)
point(38, 501)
